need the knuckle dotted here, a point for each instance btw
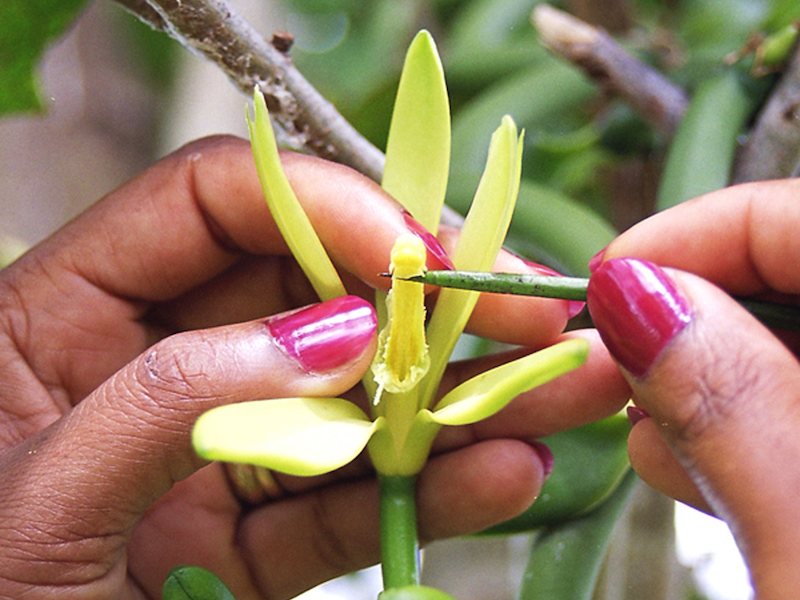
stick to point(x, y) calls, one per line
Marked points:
point(723, 388)
point(179, 366)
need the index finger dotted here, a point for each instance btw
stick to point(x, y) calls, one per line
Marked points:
point(743, 238)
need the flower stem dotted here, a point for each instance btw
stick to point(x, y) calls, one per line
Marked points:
point(398, 523)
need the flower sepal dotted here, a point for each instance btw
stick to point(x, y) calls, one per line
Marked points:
point(298, 436)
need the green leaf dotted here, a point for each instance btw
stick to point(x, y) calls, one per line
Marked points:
point(556, 230)
point(590, 463)
point(26, 29)
point(299, 436)
point(418, 149)
point(484, 395)
point(286, 209)
point(481, 238)
point(194, 583)
point(565, 560)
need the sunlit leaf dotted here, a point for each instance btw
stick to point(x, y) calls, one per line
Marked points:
point(484, 395)
point(418, 149)
point(299, 436)
point(286, 209)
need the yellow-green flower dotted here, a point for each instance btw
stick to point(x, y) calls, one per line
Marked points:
point(309, 436)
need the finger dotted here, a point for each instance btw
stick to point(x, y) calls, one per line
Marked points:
point(301, 541)
point(652, 457)
point(103, 464)
point(724, 392)
point(743, 238)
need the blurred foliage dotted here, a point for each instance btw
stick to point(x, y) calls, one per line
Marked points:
point(578, 140)
point(27, 28)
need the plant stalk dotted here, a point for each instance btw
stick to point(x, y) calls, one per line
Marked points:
point(398, 527)
point(772, 314)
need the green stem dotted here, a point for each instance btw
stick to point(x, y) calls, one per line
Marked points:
point(771, 314)
point(398, 519)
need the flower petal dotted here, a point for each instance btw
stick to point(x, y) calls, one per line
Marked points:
point(286, 209)
point(480, 240)
point(484, 395)
point(418, 148)
point(299, 436)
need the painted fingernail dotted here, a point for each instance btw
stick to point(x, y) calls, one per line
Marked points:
point(328, 335)
point(437, 257)
point(573, 306)
point(596, 260)
point(545, 455)
point(637, 309)
point(636, 414)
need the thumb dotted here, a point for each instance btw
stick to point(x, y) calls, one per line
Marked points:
point(723, 393)
point(105, 462)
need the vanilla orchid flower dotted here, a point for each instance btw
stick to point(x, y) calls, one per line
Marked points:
point(311, 436)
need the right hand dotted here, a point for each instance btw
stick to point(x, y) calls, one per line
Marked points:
point(722, 390)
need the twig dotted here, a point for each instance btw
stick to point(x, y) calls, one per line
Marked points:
point(772, 150)
point(307, 120)
point(650, 93)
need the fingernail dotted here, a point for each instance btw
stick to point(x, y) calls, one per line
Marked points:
point(545, 455)
point(438, 258)
point(596, 260)
point(573, 306)
point(636, 414)
point(637, 309)
point(328, 335)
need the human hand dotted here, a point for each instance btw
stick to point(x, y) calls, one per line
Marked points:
point(121, 329)
point(722, 390)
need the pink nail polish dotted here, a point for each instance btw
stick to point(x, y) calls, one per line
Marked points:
point(328, 335)
point(596, 260)
point(545, 455)
point(573, 306)
point(637, 309)
point(437, 257)
point(636, 414)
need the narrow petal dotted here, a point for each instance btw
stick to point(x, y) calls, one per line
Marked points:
point(292, 221)
point(484, 395)
point(418, 148)
point(480, 240)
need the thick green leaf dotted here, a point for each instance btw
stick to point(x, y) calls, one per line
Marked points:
point(292, 221)
point(565, 560)
point(702, 153)
point(26, 29)
point(556, 230)
point(481, 238)
point(194, 583)
point(534, 98)
point(299, 436)
point(590, 461)
point(418, 149)
point(484, 395)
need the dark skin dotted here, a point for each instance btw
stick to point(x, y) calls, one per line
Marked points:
point(118, 331)
point(724, 394)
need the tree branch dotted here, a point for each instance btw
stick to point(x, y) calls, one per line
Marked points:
point(308, 121)
point(650, 93)
point(772, 150)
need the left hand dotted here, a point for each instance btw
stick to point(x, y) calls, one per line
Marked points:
point(117, 332)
